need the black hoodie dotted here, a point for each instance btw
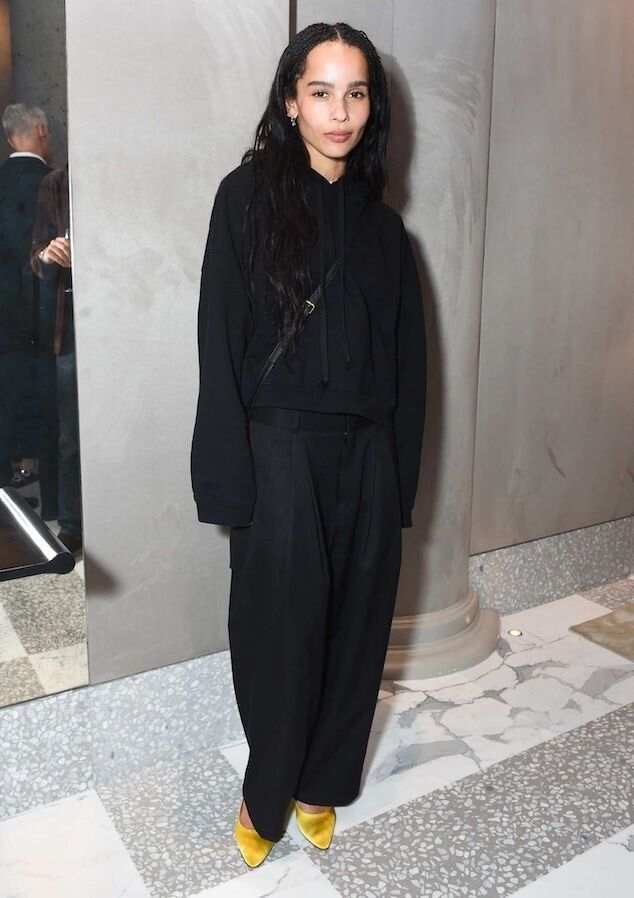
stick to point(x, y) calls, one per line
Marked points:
point(361, 351)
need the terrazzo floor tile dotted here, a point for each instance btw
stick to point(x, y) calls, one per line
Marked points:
point(19, 682)
point(62, 668)
point(43, 647)
point(293, 876)
point(46, 612)
point(494, 832)
point(45, 751)
point(177, 822)
point(605, 871)
point(69, 849)
point(77, 739)
point(163, 714)
point(10, 645)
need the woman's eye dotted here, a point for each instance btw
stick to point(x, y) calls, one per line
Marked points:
point(358, 93)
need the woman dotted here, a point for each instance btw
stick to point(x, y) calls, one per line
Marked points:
point(317, 482)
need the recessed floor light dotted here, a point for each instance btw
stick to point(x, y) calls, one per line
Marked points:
point(514, 632)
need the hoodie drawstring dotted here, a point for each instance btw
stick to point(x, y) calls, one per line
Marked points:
point(341, 235)
point(323, 335)
point(342, 289)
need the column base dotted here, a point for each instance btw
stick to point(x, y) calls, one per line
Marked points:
point(441, 642)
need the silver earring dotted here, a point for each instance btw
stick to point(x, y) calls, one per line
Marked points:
point(293, 120)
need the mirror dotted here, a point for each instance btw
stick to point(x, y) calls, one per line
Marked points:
point(42, 618)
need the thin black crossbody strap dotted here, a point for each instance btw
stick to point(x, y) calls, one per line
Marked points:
point(309, 306)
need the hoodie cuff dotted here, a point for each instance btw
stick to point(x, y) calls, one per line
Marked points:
point(214, 512)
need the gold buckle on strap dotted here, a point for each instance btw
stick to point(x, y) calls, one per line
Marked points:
point(312, 305)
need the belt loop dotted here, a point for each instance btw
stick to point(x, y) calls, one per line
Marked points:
point(348, 428)
point(298, 417)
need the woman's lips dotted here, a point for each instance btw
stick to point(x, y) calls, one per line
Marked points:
point(338, 138)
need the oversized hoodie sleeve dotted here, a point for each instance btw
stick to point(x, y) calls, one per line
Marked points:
point(409, 414)
point(223, 477)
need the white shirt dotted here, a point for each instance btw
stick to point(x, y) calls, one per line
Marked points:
point(25, 153)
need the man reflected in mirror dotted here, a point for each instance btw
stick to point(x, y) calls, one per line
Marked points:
point(26, 130)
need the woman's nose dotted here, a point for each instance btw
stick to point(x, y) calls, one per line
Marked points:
point(340, 112)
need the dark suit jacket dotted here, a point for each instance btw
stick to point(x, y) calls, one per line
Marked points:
point(19, 182)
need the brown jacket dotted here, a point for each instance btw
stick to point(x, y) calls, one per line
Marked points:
point(52, 220)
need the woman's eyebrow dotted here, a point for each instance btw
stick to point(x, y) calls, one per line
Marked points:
point(330, 84)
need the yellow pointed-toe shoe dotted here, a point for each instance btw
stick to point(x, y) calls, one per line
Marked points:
point(317, 828)
point(253, 847)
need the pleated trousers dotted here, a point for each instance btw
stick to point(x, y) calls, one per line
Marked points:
point(313, 588)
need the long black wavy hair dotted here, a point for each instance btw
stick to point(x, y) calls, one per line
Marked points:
point(281, 159)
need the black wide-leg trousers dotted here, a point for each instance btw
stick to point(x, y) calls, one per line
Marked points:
point(313, 586)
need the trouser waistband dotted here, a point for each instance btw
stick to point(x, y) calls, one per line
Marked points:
point(302, 419)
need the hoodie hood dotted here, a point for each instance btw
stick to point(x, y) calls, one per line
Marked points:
point(338, 205)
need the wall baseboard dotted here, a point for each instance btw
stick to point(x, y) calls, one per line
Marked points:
point(528, 574)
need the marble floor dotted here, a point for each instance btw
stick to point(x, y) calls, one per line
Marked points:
point(511, 778)
point(43, 639)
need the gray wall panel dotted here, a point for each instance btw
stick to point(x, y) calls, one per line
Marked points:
point(375, 17)
point(163, 99)
point(555, 425)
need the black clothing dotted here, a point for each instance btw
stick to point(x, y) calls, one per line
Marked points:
point(20, 423)
point(20, 178)
point(19, 408)
point(313, 586)
point(361, 351)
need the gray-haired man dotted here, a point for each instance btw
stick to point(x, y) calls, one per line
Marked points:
point(27, 133)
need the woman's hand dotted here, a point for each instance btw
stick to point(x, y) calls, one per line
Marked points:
point(58, 251)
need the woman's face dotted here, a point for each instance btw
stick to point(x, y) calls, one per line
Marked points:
point(333, 102)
